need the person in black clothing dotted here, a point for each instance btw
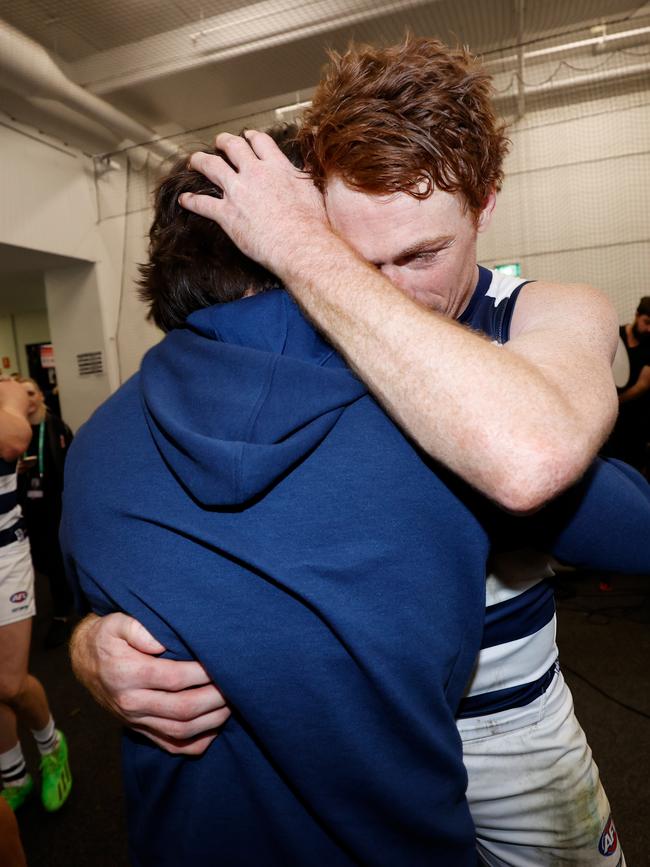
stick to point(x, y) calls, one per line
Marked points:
point(40, 489)
point(630, 436)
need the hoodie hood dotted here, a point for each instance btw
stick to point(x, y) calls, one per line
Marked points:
point(241, 395)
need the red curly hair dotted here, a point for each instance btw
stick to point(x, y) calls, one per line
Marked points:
point(409, 118)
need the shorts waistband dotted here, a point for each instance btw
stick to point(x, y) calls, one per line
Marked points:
point(506, 699)
point(16, 533)
point(473, 728)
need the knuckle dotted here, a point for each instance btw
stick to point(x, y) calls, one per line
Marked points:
point(113, 626)
point(175, 680)
point(176, 730)
point(196, 160)
point(222, 715)
point(185, 709)
point(127, 703)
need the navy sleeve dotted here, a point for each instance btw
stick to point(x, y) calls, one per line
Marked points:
point(601, 523)
point(80, 600)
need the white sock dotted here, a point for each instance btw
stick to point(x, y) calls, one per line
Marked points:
point(47, 740)
point(12, 767)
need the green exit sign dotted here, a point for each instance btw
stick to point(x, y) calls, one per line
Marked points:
point(512, 268)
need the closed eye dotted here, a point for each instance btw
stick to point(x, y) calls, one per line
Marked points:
point(423, 255)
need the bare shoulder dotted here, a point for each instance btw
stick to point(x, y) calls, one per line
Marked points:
point(573, 309)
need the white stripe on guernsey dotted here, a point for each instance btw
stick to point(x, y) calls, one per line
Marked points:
point(502, 286)
point(514, 572)
point(8, 483)
point(9, 519)
point(515, 662)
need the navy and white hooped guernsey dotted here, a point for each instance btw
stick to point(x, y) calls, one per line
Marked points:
point(9, 509)
point(518, 655)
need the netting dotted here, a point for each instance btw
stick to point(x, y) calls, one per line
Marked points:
point(575, 206)
point(571, 79)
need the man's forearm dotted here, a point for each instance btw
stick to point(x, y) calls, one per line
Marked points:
point(488, 414)
point(83, 655)
point(640, 387)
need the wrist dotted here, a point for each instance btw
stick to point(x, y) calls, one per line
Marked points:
point(82, 648)
point(318, 265)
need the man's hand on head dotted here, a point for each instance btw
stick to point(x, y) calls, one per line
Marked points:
point(268, 206)
point(173, 703)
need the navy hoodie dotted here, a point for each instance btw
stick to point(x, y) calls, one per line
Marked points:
point(248, 501)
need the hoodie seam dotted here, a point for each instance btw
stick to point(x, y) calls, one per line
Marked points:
point(255, 413)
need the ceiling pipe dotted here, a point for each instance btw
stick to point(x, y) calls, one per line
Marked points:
point(27, 69)
point(598, 45)
point(639, 70)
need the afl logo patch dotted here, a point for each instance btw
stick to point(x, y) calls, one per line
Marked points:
point(18, 597)
point(608, 839)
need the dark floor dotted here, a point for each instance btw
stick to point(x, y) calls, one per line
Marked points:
point(604, 639)
point(89, 831)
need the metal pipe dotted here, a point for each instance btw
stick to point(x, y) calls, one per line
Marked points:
point(28, 69)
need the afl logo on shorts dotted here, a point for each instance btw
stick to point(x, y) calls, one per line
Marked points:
point(608, 839)
point(18, 597)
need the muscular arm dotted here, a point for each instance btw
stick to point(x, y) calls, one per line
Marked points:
point(15, 430)
point(641, 386)
point(519, 423)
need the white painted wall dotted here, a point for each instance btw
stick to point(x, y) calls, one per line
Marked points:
point(49, 202)
point(76, 327)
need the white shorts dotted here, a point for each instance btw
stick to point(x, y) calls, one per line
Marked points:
point(534, 789)
point(16, 583)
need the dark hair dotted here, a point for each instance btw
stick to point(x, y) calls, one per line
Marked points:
point(644, 306)
point(192, 262)
point(408, 118)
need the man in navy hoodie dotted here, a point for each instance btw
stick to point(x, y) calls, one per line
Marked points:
point(247, 500)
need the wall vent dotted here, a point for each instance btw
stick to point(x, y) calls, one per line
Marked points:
point(90, 363)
